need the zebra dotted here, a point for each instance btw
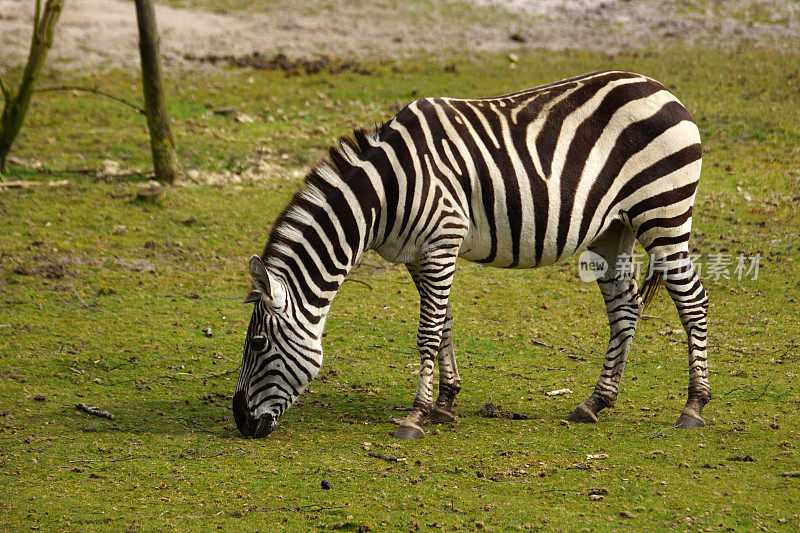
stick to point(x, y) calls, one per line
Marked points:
point(598, 161)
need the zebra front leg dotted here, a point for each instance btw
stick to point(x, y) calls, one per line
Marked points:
point(449, 380)
point(689, 296)
point(433, 277)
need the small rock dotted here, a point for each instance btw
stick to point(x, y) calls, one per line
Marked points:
point(230, 110)
point(244, 119)
point(595, 497)
point(208, 332)
point(627, 514)
point(109, 168)
point(591, 456)
point(325, 485)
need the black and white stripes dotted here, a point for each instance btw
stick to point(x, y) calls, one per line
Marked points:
point(517, 181)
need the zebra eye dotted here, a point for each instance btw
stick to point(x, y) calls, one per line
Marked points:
point(258, 342)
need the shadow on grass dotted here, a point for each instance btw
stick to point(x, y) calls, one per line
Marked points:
point(212, 415)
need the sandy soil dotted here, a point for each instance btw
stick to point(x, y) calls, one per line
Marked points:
point(102, 33)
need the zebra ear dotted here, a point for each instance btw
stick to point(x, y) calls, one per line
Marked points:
point(252, 296)
point(261, 283)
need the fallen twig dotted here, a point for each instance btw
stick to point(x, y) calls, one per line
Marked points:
point(490, 410)
point(314, 507)
point(362, 282)
point(94, 411)
point(116, 460)
point(25, 184)
point(661, 431)
point(84, 304)
point(540, 343)
point(39, 169)
point(763, 391)
point(387, 458)
point(791, 474)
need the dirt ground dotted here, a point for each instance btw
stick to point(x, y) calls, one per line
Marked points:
point(102, 33)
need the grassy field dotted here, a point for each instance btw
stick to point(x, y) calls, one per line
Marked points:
point(103, 301)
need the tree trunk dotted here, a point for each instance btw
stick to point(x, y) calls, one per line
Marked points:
point(16, 106)
point(164, 160)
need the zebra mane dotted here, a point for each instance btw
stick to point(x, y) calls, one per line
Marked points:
point(318, 187)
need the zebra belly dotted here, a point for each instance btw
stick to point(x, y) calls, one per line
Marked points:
point(478, 244)
point(478, 247)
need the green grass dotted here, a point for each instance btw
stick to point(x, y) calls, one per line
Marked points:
point(103, 299)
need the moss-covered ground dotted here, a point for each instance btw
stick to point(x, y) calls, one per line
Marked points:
point(103, 301)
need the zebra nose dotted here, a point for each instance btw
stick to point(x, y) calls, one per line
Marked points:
point(241, 414)
point(265, 426)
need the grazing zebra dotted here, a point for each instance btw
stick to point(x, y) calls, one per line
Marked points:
point(517, 181)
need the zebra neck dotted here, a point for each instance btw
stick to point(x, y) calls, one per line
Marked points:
point(319, 238)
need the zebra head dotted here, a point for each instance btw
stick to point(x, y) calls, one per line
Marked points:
point(280, 356)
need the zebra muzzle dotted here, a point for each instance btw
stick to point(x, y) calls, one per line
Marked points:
point(250, 426)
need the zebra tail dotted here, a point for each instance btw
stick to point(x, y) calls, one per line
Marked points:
point(650, 287)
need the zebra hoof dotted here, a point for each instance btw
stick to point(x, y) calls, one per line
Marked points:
point(440, 416)
point(582, 415)
point(689, 421)
point(409, 432)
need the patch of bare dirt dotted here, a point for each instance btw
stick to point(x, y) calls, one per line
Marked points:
point(262, 169)
point(102, 33)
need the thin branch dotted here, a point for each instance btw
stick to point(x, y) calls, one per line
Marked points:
point(5, 91)
point(387, 458)
point(763, 391)
point(84, 304)
point(362, 282)
point(94, 411)
point(24, 184)
point(92, 90)
point(37, 16)
point(186, 174)
point(314, 507)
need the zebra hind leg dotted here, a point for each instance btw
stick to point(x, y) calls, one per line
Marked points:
point(433, 277)
point(687, 292)
point(449, 380)
point(623, 306)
